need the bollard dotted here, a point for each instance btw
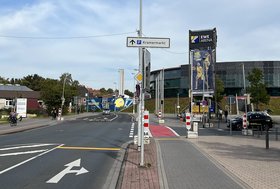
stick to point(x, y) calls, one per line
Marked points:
point(276, 133)
point(267, 138)
point(230, 128)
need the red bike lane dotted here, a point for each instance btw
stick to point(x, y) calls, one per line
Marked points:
point(161, 131)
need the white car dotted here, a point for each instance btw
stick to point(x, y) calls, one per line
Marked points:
point(106, 111)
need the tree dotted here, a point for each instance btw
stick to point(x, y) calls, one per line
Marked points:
point(51, 93)
point(3, 80)
point(110, 91)
point(127, 92)
point(33, 82)
point(257, 88)
point(219, 90)
point(103, 91)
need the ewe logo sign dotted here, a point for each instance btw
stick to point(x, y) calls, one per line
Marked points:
point(202, 39)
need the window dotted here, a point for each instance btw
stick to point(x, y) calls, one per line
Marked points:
point(9, 103)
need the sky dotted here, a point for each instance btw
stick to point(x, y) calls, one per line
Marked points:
point(87, 38)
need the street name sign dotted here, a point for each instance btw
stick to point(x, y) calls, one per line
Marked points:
point(148, 42)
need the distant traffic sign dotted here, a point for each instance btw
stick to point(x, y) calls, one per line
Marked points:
point(148, 42)
point(138, 77)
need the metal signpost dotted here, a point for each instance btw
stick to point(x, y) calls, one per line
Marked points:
point(142, 43)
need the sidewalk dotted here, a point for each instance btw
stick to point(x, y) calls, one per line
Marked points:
point(31, 123)
point(136, 177)
point(211, 161)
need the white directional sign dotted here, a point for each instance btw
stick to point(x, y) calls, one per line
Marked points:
point(67, 170)
point(148, 42)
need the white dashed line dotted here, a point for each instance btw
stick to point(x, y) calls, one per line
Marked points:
point(131, 131)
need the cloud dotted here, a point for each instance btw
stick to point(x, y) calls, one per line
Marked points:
point(247, 30)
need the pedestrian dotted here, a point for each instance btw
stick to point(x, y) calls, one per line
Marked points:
point(220, 114)
point(53, 113)
point(226, 115)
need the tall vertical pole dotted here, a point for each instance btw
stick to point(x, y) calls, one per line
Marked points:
point(244, 84)
point(162, 93)
point(156, 93)
point(141, 88)
point(243, 70)
point(178, 105)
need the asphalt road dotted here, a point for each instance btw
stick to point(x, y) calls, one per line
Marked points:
point(74, 154)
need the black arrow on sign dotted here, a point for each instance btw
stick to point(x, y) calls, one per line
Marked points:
point(132, 41)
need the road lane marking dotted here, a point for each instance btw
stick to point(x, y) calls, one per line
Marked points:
point(116, 116)
point(173, 131)
point(67, 170)
point(131, 130)
point(30, 159)
point(26, 146)
point(21, 153)
point(168, 139)
point(87, 148)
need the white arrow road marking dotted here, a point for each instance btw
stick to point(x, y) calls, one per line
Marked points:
point(20, 153)
point(67, 170)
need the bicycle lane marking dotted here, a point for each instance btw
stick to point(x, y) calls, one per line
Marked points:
point(162, 131)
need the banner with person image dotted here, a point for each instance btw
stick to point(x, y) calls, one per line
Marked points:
point(202, 71)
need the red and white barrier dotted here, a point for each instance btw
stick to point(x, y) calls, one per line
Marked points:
point(159, 114)
point(188, 121)
point(146, 119)
point(244, 121)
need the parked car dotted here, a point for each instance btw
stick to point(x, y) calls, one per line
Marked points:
point(256, 120)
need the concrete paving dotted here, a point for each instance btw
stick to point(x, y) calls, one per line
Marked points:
point(213, 160)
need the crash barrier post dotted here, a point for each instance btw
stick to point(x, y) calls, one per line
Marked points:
point(146, 119)
point(159, 114)
point(188, 121)
point(244, 121)
point(146, 128)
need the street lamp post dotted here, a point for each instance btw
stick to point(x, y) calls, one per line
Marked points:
point(244, 84)
point(243, 71)
point(245, 95)
point(178, 104)
point(63, 92)
point(115, 92)
point(87, 99)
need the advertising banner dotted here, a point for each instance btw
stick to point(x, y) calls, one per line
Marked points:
point(202, 64)
point(21, 107)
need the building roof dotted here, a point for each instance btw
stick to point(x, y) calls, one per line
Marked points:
point(14, 88)
point(20, 94)
point(17, 91)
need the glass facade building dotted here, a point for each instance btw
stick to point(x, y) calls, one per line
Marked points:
point(177, 80)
